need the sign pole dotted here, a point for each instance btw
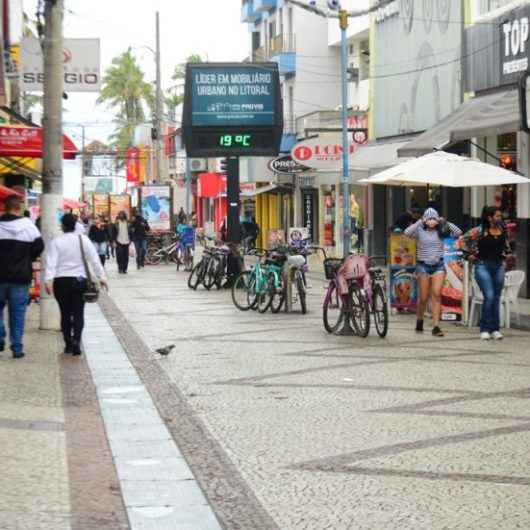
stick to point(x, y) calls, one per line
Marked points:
point(233, 225)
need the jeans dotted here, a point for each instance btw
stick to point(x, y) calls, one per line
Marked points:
point(490, 279)
point(16, 296)
point(69, 295)
point(122, 257)
point(141, 250)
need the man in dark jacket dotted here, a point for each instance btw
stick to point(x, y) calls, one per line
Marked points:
point(139, 229)
point(20, 245)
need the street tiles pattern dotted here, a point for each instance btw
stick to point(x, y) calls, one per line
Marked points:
point(140, 443)
point(339, 432)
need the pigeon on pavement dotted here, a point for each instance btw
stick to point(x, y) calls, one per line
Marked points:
point(166, 350)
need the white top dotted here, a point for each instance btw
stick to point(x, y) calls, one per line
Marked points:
point(80, 228)
point(63, 258)
point(123, 233)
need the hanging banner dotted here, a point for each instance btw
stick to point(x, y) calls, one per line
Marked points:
point(156, 206)
point(120, 203)
point(132, 162)
point(100, 204)
point(81, 64)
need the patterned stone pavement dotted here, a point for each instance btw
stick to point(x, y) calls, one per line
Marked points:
point(287, 427)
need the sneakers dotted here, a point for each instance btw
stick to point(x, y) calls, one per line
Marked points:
point(18, 355)
point(437, 332)
point(2, 346)
point(495, 335)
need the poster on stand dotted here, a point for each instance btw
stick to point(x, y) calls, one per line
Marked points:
point(156, 207)
point(453, 287)
point(275, 238)
point(403, 288)
point(297, 235)
point(101, 206)
point(402, 261)
point(120, 203)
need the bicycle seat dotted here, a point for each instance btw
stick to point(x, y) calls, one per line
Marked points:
point(296, 261)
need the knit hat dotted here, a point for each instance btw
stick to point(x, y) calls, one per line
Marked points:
point(430, 213)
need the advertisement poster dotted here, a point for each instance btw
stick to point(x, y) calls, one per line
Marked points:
point(156, 206)
point(297, 235)
point(243, 95)
point(275, 238)
point(120, 203)
point(402, 261)
point(402, 251)
point(453, 288)
point(403, 293)
point(101, 204)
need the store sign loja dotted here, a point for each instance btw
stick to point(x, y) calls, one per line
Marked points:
point(324, 152)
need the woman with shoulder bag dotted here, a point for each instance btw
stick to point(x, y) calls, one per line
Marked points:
point(429, 233)
point(71, 259)
point(487, 247)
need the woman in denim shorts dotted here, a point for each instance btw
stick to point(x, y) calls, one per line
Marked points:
point(429, 233)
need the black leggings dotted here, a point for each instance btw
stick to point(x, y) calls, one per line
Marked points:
point(122, 257)
point(69, 295)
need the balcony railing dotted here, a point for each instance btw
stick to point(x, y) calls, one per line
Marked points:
point(285, 43)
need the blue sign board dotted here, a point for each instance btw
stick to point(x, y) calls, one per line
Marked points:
point(241, 96)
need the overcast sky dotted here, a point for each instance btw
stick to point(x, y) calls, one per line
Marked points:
point(211, 28)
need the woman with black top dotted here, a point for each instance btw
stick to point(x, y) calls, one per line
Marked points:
point(99, 236)
point(487, 247)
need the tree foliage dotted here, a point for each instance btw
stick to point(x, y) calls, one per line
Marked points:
point(127, 93)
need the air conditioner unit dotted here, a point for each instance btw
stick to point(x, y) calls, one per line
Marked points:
point(198, 164)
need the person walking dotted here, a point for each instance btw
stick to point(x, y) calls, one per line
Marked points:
point(181, 216)
point(65, 277)
point(139, 229)
point(429, 233)
point(20, 245)
point(487, 247)
point(112, 235)
point(123, 240)
point(99, 236)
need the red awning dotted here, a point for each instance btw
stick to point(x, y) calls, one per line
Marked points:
point(71, 204)
point(6, 192)
point(211, 185)
point(27, 142)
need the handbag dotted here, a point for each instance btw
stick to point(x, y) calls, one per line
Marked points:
point(91, 293)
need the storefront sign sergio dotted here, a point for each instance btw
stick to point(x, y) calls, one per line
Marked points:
point(286, 165)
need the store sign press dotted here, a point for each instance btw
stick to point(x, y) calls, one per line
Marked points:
point(323, 152)
point(285, 165)
point(514, 44)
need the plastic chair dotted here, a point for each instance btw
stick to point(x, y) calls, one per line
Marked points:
point(510, 297)
point(512, 285)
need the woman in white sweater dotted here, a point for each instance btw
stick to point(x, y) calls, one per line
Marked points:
point(66, 277)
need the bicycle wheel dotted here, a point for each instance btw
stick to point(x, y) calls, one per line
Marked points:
point(211, 273)
point(240, 291)
point(220, 273)
point(360, 311)
point(277, 293)
point(300, 287)
point(380, 311)
point(177, 257)
point(153, 256)
point(332, 314)
point(195, 276)
point(264, 296)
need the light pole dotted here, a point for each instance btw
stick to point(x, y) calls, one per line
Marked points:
point(335, 11)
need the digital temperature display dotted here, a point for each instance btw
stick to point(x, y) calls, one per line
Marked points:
point(235, 140)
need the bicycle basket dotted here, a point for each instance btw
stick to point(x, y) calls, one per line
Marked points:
point(331, 266)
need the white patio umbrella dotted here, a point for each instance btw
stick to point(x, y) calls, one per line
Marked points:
point(445, 169)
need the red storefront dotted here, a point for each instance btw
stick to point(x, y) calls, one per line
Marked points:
point(210, 202)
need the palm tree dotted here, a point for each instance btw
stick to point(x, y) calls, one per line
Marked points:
point(125, 91)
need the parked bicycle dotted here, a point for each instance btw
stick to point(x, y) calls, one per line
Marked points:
point(356, 290)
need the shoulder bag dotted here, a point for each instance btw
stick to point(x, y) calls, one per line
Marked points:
point(91, 293)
